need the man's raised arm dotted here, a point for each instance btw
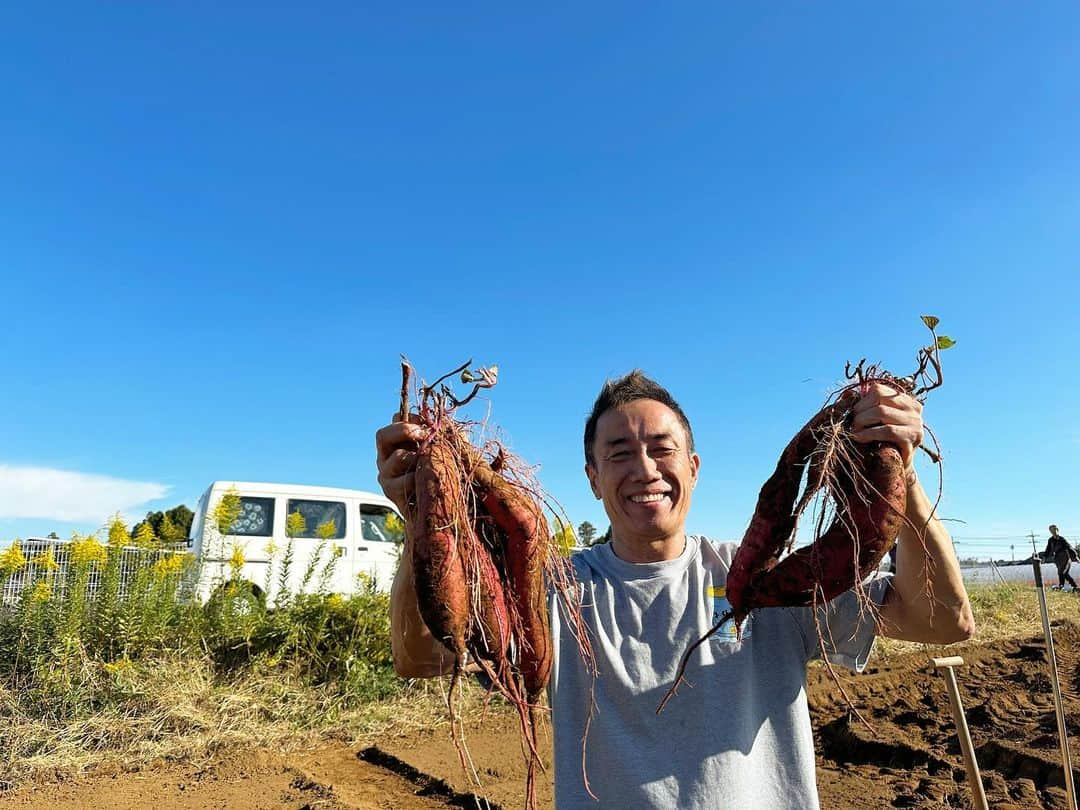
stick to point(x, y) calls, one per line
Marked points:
point(927, 601)
point(417, 653)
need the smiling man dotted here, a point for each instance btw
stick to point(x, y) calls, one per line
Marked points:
point(741, 737)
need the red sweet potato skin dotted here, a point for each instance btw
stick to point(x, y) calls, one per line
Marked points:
point(524, 532)
point(871, 499)
point(489, 634)
point(773, 519)
point(438, 570)
point(864, 530)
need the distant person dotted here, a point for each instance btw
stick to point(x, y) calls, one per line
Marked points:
point(1063, 554)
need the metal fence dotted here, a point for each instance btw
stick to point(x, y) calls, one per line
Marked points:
point(56, 568)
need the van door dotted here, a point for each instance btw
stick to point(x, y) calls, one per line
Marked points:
point(380, 542)
point(318, 529)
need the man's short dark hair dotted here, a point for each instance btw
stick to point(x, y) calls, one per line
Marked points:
point(627, 389)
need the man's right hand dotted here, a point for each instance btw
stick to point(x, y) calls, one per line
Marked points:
point(396, 446)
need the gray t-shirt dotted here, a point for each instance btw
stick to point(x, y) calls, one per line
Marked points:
point(737, 735)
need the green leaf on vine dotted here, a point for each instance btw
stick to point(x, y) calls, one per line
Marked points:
point(944, 342)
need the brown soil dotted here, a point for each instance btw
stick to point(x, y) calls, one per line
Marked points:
point(909, 757)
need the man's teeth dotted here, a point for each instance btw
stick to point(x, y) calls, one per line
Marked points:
point(658, 496)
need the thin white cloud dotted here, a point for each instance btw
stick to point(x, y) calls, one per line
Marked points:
point(41, 492)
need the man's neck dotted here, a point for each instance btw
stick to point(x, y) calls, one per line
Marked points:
point(650, 551)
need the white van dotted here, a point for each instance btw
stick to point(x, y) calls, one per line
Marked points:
point(355, 531)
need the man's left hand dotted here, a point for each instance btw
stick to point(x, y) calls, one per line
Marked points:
point(883, 414)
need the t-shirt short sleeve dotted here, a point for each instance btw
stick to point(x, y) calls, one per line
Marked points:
point(845, 628)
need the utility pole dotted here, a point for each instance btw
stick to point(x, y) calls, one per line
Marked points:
point(1034, 551)
point(1012, 548)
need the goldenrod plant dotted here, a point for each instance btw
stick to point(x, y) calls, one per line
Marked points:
point(98, 631)
point(324, 531)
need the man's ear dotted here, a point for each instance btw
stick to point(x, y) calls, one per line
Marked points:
point(590, 471)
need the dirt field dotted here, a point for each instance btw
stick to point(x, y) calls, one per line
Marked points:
point(909, 758)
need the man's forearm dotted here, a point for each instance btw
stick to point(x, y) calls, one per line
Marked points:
point(927, 601)
point(417, 653)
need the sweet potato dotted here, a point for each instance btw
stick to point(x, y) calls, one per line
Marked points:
point(869, 517)
point(438, 569)
point(525, 535)
point(774, 519)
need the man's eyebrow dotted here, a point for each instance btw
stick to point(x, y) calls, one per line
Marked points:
point(661, 437)
point(652, 437)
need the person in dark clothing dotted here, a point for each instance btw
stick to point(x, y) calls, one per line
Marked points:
point(1063, 554)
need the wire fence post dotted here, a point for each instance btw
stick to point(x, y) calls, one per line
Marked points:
point(1059, 711)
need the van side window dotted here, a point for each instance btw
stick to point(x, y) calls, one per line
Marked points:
point(320, 519)
point(380, 524)
point(256, 518)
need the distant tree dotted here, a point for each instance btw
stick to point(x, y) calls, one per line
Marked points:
point(586, 533)
point(53, 536)
point(179, 516)
point(605, 537)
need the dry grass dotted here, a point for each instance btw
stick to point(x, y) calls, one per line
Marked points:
point(178, 710)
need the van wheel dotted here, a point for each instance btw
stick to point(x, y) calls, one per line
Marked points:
point(239, 597)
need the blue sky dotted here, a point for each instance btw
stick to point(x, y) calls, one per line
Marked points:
point(219, 228)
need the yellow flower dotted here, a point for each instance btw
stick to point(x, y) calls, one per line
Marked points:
point(167, 566)
point(118, 666)
point(145, 537)
point(227, 510)
point(271, 548)
point(42, 592)
point(295, 525)
point(395, 525)
point(334, 600)
point(12, 559)
point(46, 561)
point(86, 550)
point(118, 532)
point(326, 529)
point(236, 561)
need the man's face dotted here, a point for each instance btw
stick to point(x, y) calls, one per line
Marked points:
point(643, 472)
point(1053, 530)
